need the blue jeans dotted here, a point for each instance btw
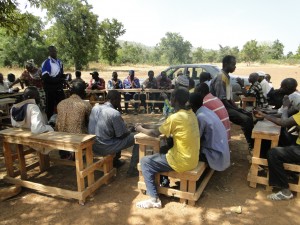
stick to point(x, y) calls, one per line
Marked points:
point(152, 164)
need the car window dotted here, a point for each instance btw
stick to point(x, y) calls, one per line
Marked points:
point(172, 72)
point(196, 71)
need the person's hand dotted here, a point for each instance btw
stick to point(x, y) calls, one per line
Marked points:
point(258, 113)
point(138, 127)
point(286, 101)
point(240, 81)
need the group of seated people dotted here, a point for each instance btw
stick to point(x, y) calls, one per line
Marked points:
point(198, 124)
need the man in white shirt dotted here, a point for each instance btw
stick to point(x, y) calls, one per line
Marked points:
point(27, 114)
point(263, 83)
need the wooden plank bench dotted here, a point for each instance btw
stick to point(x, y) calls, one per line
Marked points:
point(78, 143)
point(245, 100)
point(188, 180)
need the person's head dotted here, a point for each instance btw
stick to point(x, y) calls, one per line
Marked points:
point(78, 74)
point(203, 89)
point(114, 75)
point(288, 86)
point(253, 77)
point(179, 73)
point(188, 73)
point(261, 75)
point(1, 78)
point(11, 77)
point(295, 100)
point(131, 74)
point(114, 97)
point(179, 97)
point(78, 88)
point(204, 76)
point(150, 74)
point(268, 78)
point(196, 101)
point(163, 75)
point(31, 92)
point(228, 64)
point(182, 81)
point(29, 65)
point(52, 51)
point(95, 75)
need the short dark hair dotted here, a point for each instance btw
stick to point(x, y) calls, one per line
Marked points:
point(196, 101)
point(31, 92)
point(77, 73)
point(113, 94)
point(150, 71)
point(202, 88)
point(289, 85)
point(78, 88)
point(181, 95)
point(227, 59)
point(204, 76)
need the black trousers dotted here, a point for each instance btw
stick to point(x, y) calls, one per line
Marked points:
point(276, 157)
point(243, 119)
point(135, 96)
point(53, 97)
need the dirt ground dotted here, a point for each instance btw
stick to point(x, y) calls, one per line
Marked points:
point(115, 203)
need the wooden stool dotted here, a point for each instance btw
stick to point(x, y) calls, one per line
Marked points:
point(245, 100)
point(188, 190)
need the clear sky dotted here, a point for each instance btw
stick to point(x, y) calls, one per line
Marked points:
point(206, 23)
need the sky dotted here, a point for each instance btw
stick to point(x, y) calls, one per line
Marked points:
point(205, 24)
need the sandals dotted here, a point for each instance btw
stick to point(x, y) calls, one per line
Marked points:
point(148, 204)
point(279, 196)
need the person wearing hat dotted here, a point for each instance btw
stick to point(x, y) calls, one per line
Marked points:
point(96, 83)
point(131, 82)
point(53, 81)
point(264, 83)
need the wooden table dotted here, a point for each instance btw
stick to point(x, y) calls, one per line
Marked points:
point(245, 100)
point(78, 143)
point(263, 130)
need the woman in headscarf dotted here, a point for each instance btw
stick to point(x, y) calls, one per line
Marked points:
point(31, 76)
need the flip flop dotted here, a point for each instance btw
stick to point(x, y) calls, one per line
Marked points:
point(149, 203)
point(279, 196)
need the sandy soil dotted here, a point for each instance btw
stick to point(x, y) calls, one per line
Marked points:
point(115, 203)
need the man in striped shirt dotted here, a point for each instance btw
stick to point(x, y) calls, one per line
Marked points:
point(214, 104)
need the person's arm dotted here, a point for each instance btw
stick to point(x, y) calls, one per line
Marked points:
point(150, 132)
point(101, 86)
point(37, 121)
point(284, 121)
point(15, 82)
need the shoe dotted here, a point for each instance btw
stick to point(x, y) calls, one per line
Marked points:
point(118, 163)
point(279, 196)
point(148, 204)
point(132, 172)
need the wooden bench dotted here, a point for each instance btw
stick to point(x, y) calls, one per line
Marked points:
point(245, 101)
point(5, 104)
point(268, 131)
point(188, 180)
point(78, 143)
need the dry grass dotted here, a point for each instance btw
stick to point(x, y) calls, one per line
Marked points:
point(277, 72)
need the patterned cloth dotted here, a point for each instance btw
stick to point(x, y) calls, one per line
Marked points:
point(72, 115)
point(256, 91)
point(150, 84)
point(164, 83)
point(130, 84)
point(112, 84)
point(216, 105)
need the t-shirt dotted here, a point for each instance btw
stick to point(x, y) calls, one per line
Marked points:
point(220, 86)
point(297, 119)
point(183, 126)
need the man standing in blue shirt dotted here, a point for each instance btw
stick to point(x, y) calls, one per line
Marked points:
point(53, 80)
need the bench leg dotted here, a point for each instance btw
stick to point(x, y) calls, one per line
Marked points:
point(8, 159)
point(44, 161)
point(183, 188)
point(22, 164)
point(89, 161)
point(191, 189)
point(254, 167)
point(79, 168)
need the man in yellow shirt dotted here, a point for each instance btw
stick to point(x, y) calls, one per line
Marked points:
point(289, 154)
point(184, 154)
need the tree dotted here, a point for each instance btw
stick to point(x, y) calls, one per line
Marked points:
point(277, 50)
point(75, 30)
point(29, 44)
point(211, 56)
point(174, 49)
point(110, 31)
point(132, 53)
point(250, 51)
point(228, 51)
point(198, 55)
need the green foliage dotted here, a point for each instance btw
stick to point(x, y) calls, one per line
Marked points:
point(110, 31)
point(29, 44)
point(211, 56)
point(132, 53)
point(277, 50)
point(250, 51)
point(198, 55)
point(75, 31)
point(174, 49)
point(228, 51)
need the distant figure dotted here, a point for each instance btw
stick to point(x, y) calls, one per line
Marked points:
point(214, 147)
point(3, 84)
point(53, 81)
point(255, 89)
point(221, 88)
point(151, 83)
point(205, 78)
point(27, 114)
point(115, 83)
point(265, 85)
point(96, 83)
point(268, 79)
